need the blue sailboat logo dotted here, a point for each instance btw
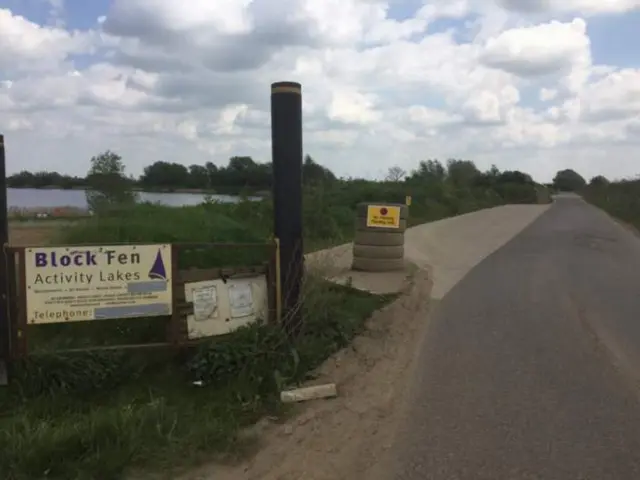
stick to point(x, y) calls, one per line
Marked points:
point(158, 272)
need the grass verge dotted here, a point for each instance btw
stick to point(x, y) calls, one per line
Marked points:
point(619, 199)
point(96, 415)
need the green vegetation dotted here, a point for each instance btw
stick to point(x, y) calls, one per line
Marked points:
point(437, 191)
point(620, 199)
point(242, 174)
point(568, 181)
point(108, 186)
point(95, 415)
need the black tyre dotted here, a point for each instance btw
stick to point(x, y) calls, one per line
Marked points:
point(377, 264)
point(378, 251)
point(385, 239)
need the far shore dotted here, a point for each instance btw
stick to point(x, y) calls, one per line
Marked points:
point(196, 191)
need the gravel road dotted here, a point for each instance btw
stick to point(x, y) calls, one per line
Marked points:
point(529, 365)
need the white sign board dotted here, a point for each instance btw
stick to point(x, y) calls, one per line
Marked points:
point(68, 284)
point(219, 307)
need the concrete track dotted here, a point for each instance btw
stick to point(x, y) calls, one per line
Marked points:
point(529, 368)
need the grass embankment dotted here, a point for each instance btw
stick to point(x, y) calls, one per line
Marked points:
point(95, 415)
point(620, 199)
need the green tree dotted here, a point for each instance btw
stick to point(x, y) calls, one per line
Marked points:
point(462, 173)
point(109, 188)
point(599, 181)
point(165, 175)
point(198, 176)
point(515, 176)
point(568, 180)
point(428, 171)
point(212, 173)
point(314, 174)
point(26, 179)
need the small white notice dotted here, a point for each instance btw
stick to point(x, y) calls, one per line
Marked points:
point(240, 300)
point(205, 303)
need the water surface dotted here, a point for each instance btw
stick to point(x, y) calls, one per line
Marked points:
point(19, 198)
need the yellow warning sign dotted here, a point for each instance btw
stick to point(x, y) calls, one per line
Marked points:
point(383, 216)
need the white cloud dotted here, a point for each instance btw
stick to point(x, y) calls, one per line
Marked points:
point(616, 96)
point(189, 82)
point(25, 45)
point(539, 50)
point(584, 6)
point(353, 107)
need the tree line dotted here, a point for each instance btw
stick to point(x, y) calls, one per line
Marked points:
point(239, 174)
point(242, 172)
point(569, 180)
point(108, 185)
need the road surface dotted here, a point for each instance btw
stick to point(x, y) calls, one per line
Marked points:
point(531, 363)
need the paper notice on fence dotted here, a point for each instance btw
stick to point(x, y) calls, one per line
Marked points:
point(205, 303)
point(240, 300)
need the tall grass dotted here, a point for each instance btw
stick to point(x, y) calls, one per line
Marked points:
point(620, 199)
point(96, 415)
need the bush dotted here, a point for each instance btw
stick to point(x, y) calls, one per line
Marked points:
point(620, 199)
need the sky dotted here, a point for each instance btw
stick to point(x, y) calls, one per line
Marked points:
point(532, 85)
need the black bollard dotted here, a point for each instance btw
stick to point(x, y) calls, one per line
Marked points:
point(286, 144)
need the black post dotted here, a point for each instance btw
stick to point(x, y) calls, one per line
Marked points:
point(286, 145)
point(5, 331)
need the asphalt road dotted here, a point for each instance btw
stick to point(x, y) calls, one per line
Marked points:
point(531, 363)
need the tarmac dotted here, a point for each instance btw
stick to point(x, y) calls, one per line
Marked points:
point(530, 365)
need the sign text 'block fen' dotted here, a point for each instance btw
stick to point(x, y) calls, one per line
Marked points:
point(70, 284)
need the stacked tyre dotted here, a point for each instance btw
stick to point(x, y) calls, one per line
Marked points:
point(379, 249)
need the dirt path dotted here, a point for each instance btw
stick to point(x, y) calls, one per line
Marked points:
point(344, 438)
point(347, 437)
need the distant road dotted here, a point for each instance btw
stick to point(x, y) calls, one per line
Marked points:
point(531, 363)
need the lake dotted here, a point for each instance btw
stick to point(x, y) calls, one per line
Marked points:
point(34, 198)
